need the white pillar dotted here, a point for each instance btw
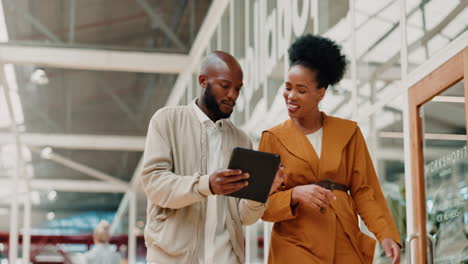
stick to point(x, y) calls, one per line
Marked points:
point(27, 225)
point(131, 228)
point(13, 243)
point(406, 124)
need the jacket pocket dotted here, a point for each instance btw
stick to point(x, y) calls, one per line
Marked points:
point(367, 247)
point(158, 217)
point(170, 231)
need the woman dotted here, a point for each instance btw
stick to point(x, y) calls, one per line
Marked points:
point(330, 177)
point(102, 253)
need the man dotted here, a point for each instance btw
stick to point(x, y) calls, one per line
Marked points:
point(189, 220)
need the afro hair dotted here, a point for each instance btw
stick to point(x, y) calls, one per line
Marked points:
point(321, 55)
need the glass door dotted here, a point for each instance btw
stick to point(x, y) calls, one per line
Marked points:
point(445, 175)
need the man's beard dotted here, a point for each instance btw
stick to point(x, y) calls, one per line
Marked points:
point(212, 105)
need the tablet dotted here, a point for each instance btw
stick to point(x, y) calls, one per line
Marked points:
point(262, 168)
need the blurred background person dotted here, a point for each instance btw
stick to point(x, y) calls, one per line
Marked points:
point(102, 252)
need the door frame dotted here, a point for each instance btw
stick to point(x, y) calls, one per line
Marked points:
point(439, 80)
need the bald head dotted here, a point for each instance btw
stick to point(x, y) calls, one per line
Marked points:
point(219, 60)
point(221, 80)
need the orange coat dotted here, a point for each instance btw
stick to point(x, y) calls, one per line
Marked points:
point(304, 234)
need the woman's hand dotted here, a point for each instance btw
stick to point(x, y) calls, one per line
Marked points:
point(392, 250)
point(312, 195)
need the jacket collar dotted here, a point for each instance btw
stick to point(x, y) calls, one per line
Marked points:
point(203, 118)
point(336, 134)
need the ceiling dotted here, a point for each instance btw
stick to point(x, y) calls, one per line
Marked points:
point(85, 102)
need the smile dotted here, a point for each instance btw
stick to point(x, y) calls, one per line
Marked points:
point(292, 107)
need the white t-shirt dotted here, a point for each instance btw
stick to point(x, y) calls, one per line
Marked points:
point(316, 141)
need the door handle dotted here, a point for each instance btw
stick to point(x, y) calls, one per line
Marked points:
point(408, 246)
point(431, 241)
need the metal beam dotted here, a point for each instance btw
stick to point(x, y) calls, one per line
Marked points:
point(425, 38)
point(378, 71)
point(148, 94)
point(176, 19)
point(64, 185)
point(33, 108)
point(192, 20)
point(416, 75)
point(71, 32)
point(158, 22)
point(427, 136)
point(34, 22)
point(393, 28)
point(94, 59)
point(75, 141)
point(49, 154)
point(124, 107)
point(77, 186)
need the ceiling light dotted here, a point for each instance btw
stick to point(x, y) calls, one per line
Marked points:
point(50, 216)
point(52, 195)
point(46, 153)
point(39, 77)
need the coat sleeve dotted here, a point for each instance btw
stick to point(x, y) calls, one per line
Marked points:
point(279, 203)
point(162, 186)
point(367, 194)
point(250, 211)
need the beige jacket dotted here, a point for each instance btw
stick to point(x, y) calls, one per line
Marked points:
point(176, 184)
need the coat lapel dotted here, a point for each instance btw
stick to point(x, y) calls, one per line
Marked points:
point(294, 140)
point(336, 134)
